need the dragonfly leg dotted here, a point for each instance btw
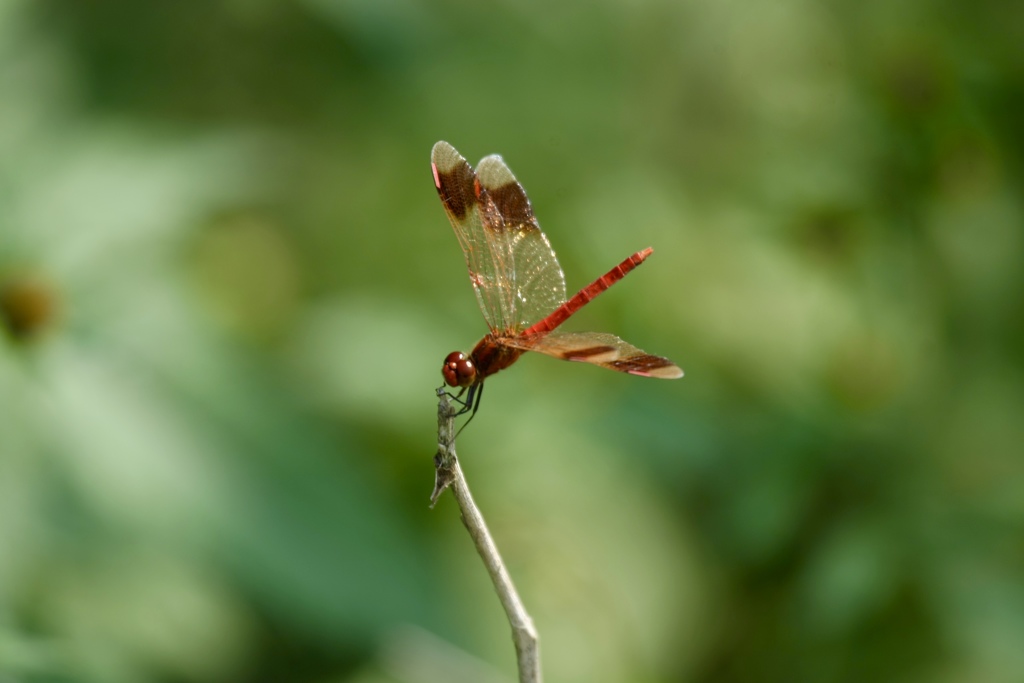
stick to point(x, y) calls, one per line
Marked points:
point(470, 404)
point(475, 391)
point(458, 398)
point(467, 404)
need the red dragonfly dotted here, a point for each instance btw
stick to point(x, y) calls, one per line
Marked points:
point(519, 284)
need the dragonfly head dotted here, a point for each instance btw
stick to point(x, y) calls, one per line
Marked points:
point(458, 370)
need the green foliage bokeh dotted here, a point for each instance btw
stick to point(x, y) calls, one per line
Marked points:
point(226, 287)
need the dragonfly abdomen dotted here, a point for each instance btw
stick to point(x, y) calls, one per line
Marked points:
point(562, 313)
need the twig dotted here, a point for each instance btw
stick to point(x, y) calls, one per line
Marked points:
point(449, 474)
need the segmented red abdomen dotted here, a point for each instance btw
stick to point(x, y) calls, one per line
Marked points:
point(562, 313)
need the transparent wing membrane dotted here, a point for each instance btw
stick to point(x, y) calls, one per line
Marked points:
point(599, 348)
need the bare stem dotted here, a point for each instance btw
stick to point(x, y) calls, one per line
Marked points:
point(448, 473)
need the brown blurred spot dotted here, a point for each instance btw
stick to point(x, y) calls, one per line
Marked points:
point(828, 232)
point(916, 83)
point(27, 306)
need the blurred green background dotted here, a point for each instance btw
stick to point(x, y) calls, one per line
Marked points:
point(227, 284)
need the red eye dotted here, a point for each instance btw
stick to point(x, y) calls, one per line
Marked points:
point(458, 370)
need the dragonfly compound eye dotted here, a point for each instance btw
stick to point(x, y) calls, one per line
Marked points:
point(458, 370)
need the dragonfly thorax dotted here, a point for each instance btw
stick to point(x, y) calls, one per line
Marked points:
point(458, 370)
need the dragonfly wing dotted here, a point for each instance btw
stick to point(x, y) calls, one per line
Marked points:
point(486, 257)
point(535, 282)
point(598, 348)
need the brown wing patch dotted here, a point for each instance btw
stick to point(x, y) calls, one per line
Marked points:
point(647, 365)
point(454, 180)
point(601, 349)
point(593, 354)
point(508, 196)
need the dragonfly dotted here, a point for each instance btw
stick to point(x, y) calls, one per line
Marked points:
point(518, 282)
